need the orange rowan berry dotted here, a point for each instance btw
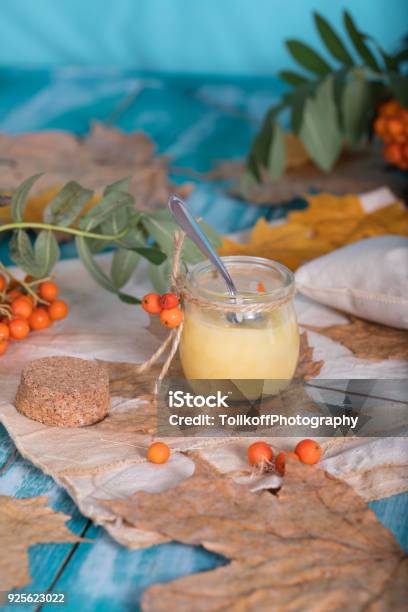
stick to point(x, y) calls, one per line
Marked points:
point(171, 318)
point(3, 283)
point(19, 329)
point(169, 300)
point(22, 307)
point(158, 452)
point(14, 294)
point(308, 451)
point(58, 310)
point(395, 130)
point(259, 452)
point(292, 455)
point(392, 153)
point(390, 108)
point(4, 332)
point(48, 291)
point(151, 303)
point(380, 126)
point(40, 319)
point(404, 120)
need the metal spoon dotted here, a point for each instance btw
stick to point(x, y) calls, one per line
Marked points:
point(187, 222)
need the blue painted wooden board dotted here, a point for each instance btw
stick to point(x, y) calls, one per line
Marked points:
point(196, 122)
point(106, 576)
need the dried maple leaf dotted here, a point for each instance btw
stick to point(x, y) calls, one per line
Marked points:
point(23, 523)
point(368, 340)
point(306, 367)
point(316, 545)
point(328, 223)
point(104, 156)
point(354, 173)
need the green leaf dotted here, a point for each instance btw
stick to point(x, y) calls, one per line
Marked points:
point(332, 41)
point(358, 40)
point(293, 78)
point(252, 172)
point(90, 264)
point(133, 239)
point(399, 87)
point(401, 57)
point(307, 57)
point(389, 61)
point(123, 265)
point(339, 81)
point(119, 219)
point(110, 203)
point(258, 155)
point(22, 254)
point(160, 275)
point(20, 247)
point(355, 105)
point(152, 254)
point(128, 299)
point(276, 160)
point(297, 102)
point(162, 228)
point(320, 131)
point(67, 204)
point(116, 221)
point(247, 183)
point(46, 252)
point(19, 199)
point(121, 185)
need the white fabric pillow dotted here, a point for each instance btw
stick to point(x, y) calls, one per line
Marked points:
point(368, 279)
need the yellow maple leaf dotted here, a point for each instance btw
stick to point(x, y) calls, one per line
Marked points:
point(328, 222)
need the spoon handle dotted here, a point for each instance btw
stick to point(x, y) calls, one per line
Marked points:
point(187, 222)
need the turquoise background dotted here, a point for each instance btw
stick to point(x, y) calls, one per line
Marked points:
point(196, 36)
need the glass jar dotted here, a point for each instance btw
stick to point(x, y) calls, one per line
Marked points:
point(264, 345)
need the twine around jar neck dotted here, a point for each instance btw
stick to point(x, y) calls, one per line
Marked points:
point(178, 285)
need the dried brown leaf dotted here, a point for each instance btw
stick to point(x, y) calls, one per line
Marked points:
point(355, 173)
point(316, 545)
point(23, 523)
point(104, 156)
point(368, 340)
point(306, 367)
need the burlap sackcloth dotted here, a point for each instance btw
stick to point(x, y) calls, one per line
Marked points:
point(107, 460)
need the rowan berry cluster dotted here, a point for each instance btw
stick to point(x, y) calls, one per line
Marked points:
point(391, 126)
point(167, 306)
point(27, 306)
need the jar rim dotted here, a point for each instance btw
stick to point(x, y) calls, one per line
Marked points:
point(282, 290)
